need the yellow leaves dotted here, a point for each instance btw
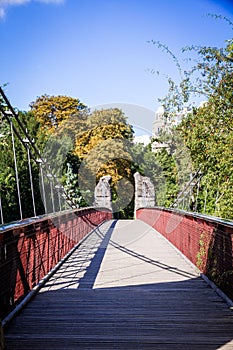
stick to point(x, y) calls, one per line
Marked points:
point(98, 139)
point(90, 139)
point(107, 117)
point(51, 111)
point(104, 157)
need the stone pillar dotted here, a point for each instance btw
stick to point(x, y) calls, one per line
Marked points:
point(103, 197)
point(144, 192)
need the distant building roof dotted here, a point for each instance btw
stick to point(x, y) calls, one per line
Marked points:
point(144, 139)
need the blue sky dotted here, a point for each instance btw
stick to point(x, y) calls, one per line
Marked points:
point(98, 50)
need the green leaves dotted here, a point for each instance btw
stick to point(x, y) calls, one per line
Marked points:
point(208, 135)
point(207, 130)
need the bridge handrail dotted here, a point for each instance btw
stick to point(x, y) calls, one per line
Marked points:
point(210, 218)
point(22, 223)
point(31, 248)
point(205, 240)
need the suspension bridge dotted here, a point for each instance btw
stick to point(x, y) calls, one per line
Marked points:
point(77, 278)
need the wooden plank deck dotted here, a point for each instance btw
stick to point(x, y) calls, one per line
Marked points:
point(124, 288)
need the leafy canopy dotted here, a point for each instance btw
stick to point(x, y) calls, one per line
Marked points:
point(207, 130)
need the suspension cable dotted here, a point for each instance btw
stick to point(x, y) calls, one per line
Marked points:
point(32, 144)
point(197, 173)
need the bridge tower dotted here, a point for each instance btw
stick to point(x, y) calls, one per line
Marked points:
point(144, 192)
point(103, 196)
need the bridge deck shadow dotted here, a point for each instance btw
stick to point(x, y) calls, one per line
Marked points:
point(124, 288)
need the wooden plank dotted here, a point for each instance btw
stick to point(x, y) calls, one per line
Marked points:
point(124, 288)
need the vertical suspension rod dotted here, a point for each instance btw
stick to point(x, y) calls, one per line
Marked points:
point(29, 139)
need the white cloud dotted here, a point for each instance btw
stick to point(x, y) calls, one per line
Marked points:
point(13, 2)
point(52, 1)
point(2, 12)
point(4, 4)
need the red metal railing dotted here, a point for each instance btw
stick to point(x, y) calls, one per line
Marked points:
point(30, 249)
point(206, 241)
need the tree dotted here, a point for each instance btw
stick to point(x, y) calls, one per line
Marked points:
point(208, 133)
point(8, 187)
point(69, 137)
point(207, 130)
point(208, 66)
point(103, 146)
point(85, 147)
point(161, 168)
point(51, 111)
